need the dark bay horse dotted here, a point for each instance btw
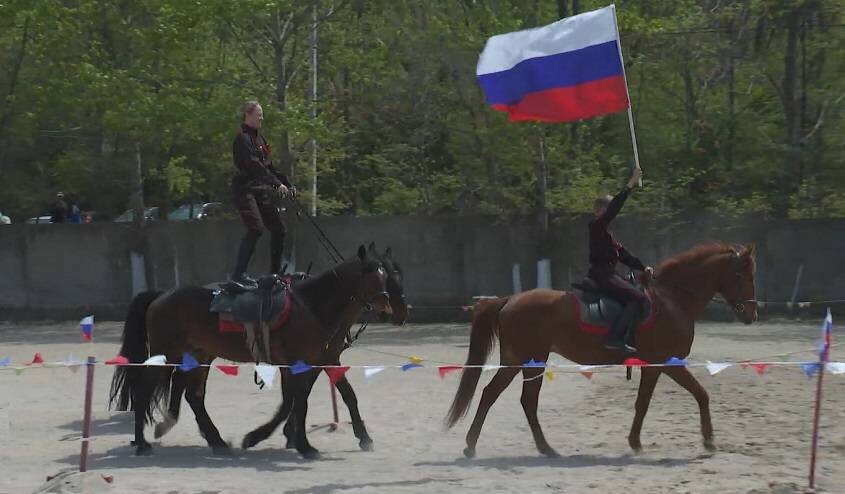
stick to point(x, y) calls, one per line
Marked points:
point(532, 324)
point(331, 356)
point(180, 321)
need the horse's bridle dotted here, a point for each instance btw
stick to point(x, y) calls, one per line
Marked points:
point(739, 305)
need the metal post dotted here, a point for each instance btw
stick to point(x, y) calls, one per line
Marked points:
point(627, 93)
point(314, 109)
point(86, 419)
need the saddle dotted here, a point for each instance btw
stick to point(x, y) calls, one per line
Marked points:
point(595, 312)
point(254, 310)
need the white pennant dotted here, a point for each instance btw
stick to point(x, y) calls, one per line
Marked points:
point(267, 373)
point(836, 367)
point(372, 371)
point(491, 367)
point(72, 364)
point(715, 368)
point(156, 360)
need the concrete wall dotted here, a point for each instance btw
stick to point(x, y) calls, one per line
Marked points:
point(53, 271)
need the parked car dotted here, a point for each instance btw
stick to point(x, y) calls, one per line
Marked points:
point(201, 211)
point(128, 216)
point(43, 218)
point(5, 220)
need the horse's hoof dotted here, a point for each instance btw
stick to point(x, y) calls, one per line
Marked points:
point(709, 445)
point(290, 444)
point(311, 454)
point(145, 449)
point(635, 444)
point(366, 444)
point(250, 440)
point(469, 452)
point(550, 453)
point(221, 450)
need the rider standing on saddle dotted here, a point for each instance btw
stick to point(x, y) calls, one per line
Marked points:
point(605, 253)
point(253, 187)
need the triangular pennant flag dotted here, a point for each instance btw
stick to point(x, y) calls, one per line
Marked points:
point(5, 362)
point(836, 367)
point(372, 371)
point(587, 374)
point(409, 366)
point(675, 362)
point(189, 363)
point(37, 359)
point(783, 358)
point(87, 325)
point(534, 363)
point(443, 370)
point(229, 370)
point(490, 367)
point(335, 373)
point(634, 362)
point(74, 368)
point(267, 373)
point(811, 368)
point(744, 365)
point(587, 367)
point(119, 360)
point(72, 364)
point(760, 368)
point(156, 360)
point(300, 367)
point(415, 360)
point(550, 375)
point(714, 368)
point(19, 370)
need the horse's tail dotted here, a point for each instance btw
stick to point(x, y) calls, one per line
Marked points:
point(485, 322)
point(134, 348)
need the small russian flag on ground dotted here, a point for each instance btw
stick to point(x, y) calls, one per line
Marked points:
point(87, 324)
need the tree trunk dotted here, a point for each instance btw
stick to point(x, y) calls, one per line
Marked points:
point(541, 172)
point(136, 187)
point(791, 110)
point(6, 114)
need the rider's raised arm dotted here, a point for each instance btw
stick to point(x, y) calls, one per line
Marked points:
point(614, 207)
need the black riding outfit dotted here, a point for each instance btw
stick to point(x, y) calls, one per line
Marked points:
point(253, 188)
point(605, 253)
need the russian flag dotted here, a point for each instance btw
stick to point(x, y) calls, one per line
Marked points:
point(827, 337)
point(566, 71)
point(87, 324)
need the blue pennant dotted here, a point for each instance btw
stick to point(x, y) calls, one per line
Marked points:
point(300, 367)
point(5, 362)
point(676, 362)
point(409, 366)
point(811, 368)
point(534, 363)
point(188, 362)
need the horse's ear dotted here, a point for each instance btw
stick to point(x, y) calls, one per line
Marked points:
point(371, 250)
point(748, 250)
point(388, 254)
point(362, 252)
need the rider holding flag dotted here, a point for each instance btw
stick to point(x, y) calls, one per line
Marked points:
point(253, 187)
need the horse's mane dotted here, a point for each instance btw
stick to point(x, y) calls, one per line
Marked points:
point(691, 257)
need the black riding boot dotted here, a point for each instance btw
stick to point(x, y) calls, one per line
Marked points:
point(620, 329)
point(245, 251)
point(277, 247)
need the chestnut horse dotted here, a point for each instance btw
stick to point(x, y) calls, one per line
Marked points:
point(532, 324)
point(331, 356)
point(180, 321)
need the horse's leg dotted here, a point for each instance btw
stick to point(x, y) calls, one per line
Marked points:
point(648, 381)
point(682, 376)
point(264, 431)
point(500, 381)
point(365, 442)
point(142, 394)
point(195, 395)
point(533, 380)
point(171, 416)
point(301, 389)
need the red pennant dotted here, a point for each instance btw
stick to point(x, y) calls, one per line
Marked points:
point(229, 370)
point(588, 375)
point(443, 370)
point(37, 359)
point(335, 373)
point(760, 368)
point(634, 362)
point(119, 360)
point(108, 478)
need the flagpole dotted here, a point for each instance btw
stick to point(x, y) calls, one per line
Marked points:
point(823, 358)
point(627, 93)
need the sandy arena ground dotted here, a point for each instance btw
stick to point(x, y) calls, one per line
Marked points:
point(762, 426)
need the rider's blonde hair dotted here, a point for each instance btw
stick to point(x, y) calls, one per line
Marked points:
point(247, 108)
